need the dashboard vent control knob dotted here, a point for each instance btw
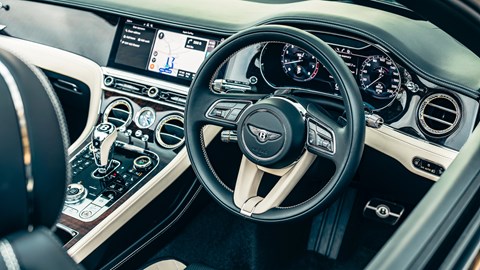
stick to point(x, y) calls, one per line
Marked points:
point(109, 81)
point(153, 92)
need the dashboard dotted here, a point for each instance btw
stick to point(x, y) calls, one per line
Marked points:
point(138, 63)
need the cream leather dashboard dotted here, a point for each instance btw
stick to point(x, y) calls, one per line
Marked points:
point(391, 142)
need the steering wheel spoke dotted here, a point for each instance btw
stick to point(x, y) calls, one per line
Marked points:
point(222, 109)
point(250, 175)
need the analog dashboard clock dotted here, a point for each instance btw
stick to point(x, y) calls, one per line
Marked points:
point(145, 117)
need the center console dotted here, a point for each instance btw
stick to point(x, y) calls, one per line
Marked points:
point(91, 193)
point(139, 131)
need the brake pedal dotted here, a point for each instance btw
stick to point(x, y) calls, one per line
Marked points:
point(383, 211)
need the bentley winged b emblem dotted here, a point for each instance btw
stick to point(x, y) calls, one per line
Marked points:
point(263, 135)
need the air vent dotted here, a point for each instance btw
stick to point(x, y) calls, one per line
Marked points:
point(439, 114)
point(118, 113)
point(169, 132)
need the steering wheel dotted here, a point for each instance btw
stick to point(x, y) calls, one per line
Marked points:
point(280, 134)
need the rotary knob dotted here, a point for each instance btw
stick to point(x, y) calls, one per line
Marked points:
point(153, 92)
point(142, 163)
point(75, 193)
point(109, 81)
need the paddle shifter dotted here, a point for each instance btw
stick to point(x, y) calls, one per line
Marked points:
point(103, 142)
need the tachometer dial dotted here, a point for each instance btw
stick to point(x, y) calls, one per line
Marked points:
point(299, 64)
point(379, 77)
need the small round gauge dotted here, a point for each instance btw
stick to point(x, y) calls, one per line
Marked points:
point(379, 77)
point(299, 64)
point(145, 117)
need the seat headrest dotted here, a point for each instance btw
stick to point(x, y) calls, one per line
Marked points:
point(34, 170)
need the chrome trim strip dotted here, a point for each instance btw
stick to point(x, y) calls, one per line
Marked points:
point(70, 231)
point(131, 95)
point(22, 122)
point(180, 89)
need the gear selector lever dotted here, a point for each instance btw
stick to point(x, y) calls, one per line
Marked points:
point(103, 142)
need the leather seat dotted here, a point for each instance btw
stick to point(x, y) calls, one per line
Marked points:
point(34, 170)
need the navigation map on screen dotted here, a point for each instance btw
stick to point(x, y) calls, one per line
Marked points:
point(177, 54)
point(172, 52)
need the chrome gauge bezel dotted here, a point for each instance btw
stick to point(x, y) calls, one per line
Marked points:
point(387, 58)
point(306, 55)
point(115, 103)
point(162, 122)
point(426, 102)
point(139, 113)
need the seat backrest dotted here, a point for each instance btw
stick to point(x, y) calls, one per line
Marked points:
point(37, 250)
point(34, 169)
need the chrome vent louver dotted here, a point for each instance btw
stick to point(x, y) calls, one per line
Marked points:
point(439, 114)
point(118, 113)
point(170, 132)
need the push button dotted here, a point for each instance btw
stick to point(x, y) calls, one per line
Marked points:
point(227, 110)
point(311, 136)
point(428, 166)
point(320, 137)
point(101, 201)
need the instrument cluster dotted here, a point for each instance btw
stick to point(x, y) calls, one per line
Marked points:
point(378, 76)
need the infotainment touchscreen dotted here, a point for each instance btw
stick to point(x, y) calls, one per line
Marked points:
point(161, 52)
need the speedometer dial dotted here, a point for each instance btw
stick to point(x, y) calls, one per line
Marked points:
point(379, 77)
point(299, 64)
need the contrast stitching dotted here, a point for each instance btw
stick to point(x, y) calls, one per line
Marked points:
point(8, 256)
point(205, 156)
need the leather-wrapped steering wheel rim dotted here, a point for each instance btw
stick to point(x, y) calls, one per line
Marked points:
point(350, 138)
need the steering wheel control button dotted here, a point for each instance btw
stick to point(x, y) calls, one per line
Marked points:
point(233, 115)
point(272, 132)
point(227, 110)
point(383, 211)
point(75, 193)
point(428, 166)
point(320, 137)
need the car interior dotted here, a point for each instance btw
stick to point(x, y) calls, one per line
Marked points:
point(238, 134)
